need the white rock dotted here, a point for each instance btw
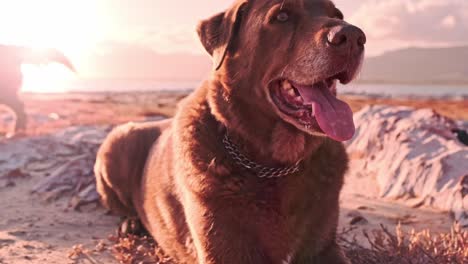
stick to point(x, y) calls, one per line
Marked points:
point(410, 155)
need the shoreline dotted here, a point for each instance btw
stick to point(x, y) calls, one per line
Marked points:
point(49, 112)
point(357, 95)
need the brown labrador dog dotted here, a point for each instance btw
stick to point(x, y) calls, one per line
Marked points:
point(251, 167)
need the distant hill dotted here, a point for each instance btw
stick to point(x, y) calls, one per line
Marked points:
point(413, 65)
point(418, 65)
point(129, 61)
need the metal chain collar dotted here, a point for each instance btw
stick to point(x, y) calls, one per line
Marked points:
point(260, 170)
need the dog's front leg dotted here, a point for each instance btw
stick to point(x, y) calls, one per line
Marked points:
point(220, 237)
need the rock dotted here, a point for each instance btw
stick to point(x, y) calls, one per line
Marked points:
point(29, 247)
point(357, 218)
point(6, 242)
point(65, 237)
point(409, 155)
point(18, 233)
point(7, 184)
point(365, 208)
point(14, 174)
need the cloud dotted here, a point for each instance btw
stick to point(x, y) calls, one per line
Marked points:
point(161, 38)
point(181, 39)
point(423, 22)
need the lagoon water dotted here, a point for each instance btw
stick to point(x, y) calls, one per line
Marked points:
point(126, 85)
point(405, 90)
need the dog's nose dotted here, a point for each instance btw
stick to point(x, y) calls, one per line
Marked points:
point(346, 37)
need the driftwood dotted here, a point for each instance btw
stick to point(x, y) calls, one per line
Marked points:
point(64, 161)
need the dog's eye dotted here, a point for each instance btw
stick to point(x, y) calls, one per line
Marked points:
point(282, 16)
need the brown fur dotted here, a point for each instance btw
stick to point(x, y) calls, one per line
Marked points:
point(194, 200)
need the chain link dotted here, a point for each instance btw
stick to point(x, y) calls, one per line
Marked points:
point(260, 170)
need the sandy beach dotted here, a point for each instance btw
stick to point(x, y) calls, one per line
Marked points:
point(252, 168)
point(34, 229)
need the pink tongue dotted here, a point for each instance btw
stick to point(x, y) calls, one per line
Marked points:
point(334, 117)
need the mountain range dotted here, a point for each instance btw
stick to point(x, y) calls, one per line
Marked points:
point(418, 65)
point(408, 66)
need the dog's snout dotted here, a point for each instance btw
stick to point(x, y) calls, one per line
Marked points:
point(346, 37)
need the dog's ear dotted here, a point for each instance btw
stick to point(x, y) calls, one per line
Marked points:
point(218, 32)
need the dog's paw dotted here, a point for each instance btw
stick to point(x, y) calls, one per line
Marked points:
point(131, 226)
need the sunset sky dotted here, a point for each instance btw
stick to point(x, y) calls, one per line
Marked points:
point(140, 38)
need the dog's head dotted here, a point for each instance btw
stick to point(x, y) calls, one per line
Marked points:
point(283, 58)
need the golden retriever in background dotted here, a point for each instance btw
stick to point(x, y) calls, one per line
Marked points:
point(11, 77)
point(251, 167)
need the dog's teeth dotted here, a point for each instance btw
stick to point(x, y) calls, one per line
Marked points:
point(291, 92)
point(298, 99)
point(287, 86)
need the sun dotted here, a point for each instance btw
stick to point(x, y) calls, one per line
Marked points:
point(47, 79)
point(69, 26)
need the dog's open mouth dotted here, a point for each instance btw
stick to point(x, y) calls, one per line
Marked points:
point(315, 107)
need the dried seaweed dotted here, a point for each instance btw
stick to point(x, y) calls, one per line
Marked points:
point(132, 249)
point(384, 247)
point(408, 248)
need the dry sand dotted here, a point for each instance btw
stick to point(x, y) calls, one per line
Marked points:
point(35, 231)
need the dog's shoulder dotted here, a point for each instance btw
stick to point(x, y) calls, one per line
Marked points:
point(193, 110)
point(195, 129)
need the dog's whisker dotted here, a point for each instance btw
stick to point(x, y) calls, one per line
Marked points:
point(284, 70)
point(282, 5)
